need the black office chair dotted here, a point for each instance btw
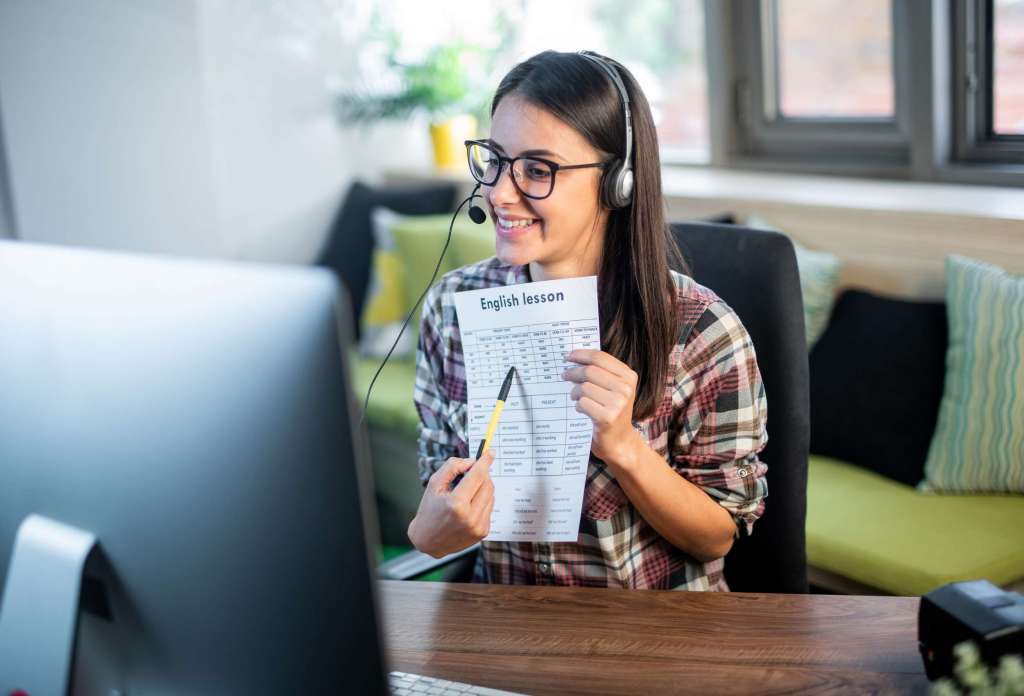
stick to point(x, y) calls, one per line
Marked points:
point(755, 273)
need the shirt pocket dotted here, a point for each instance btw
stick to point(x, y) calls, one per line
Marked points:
point(603, 497)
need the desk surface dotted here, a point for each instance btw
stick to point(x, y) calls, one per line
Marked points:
point(544, 640)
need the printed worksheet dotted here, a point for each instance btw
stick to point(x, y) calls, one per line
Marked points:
point(542, 445)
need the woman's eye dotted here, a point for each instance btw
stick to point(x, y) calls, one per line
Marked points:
point(538, 173)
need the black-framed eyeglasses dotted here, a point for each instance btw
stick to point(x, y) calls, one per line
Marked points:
point(534, 177)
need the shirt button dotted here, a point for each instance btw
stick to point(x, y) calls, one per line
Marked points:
point(544, 568)
point(744, 472)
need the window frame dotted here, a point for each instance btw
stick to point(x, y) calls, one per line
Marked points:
point(920, 143)
point(975, 139)
point(764, 132)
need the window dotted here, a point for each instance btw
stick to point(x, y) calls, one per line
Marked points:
point(1008, 67)
point(660, 41)
point(930, 90)
point(817, 83)
point(829, 74)
point(989, 81)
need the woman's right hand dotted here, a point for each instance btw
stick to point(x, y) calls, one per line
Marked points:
point(451, 519)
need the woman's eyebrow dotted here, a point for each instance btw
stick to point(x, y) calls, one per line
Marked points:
point(526, 153)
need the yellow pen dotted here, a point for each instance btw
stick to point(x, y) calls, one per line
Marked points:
point(496, 414)
point(493, 425)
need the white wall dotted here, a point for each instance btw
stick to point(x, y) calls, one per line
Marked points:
point(199, 127)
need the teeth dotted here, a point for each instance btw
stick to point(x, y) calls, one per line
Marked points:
point(515, 223)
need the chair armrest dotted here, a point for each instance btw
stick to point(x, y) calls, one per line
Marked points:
point(413, 564)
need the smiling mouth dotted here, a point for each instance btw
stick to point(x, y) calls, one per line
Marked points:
point(513, 224)
point(517, 230)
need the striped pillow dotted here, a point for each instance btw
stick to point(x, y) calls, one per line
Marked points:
point(978, 444)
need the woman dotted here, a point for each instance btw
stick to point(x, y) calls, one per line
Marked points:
point(676, 399)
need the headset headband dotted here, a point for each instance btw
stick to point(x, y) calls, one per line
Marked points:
point(614, 75)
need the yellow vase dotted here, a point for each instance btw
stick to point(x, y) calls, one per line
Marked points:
point(448, 138)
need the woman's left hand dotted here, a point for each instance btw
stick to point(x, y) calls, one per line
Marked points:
point(605, 388)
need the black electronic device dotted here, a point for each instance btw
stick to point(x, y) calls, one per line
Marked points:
point(977, 611)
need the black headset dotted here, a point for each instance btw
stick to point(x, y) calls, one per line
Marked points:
point(616, 192)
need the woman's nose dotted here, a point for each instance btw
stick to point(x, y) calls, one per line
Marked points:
point(503, 191)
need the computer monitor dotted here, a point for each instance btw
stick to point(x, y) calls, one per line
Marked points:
point(194, 418)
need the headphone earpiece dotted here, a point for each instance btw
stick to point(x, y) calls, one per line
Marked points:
point(617, 186)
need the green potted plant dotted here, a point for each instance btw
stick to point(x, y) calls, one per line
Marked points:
point(446, 86)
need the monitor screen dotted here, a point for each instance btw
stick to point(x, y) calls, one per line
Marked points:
point(195, 417)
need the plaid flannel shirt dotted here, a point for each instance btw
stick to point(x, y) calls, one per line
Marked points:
point(709, 427)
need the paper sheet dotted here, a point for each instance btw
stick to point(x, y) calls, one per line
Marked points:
point(542, 446)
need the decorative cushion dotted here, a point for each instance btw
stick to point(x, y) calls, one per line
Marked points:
point(407, 249)
point(473, 242)
point(875, 531)
point(876, 383)
point(979, 440)
point(419, 240)
point(391, 406)
point(349, 246)
point(819, 277)
point(386, 306)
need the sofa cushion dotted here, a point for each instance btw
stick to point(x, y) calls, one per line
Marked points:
point(385, 310)
point(819, 278)
point(391, 406)
point(979, 440)
point(881, 533)
point(349, 243)
point(876, 383)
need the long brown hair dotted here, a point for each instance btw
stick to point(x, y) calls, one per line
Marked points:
point(636, 295)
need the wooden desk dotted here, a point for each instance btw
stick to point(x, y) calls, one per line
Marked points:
point(545, 640)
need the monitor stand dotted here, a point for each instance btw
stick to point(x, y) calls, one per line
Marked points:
point(39, 614)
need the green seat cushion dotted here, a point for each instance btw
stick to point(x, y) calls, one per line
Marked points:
point(391, 405)
point(882, 533)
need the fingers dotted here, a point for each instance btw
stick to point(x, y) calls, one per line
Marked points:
point(482, 521)
point(602, 377)
point(483, 492)
point(598, 358)
point(597, 412)
point(477, 475)
point(442, 478)
point(611, 400)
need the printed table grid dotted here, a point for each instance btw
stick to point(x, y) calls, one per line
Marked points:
point(561, 436)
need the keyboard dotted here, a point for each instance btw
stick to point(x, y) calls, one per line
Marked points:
point(405, 684)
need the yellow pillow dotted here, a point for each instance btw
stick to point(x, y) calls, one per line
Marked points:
point(405, 253)
point(385, 307)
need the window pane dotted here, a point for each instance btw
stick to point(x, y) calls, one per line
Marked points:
point(1008, 68)
point(835, 58)
point(660, 41)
